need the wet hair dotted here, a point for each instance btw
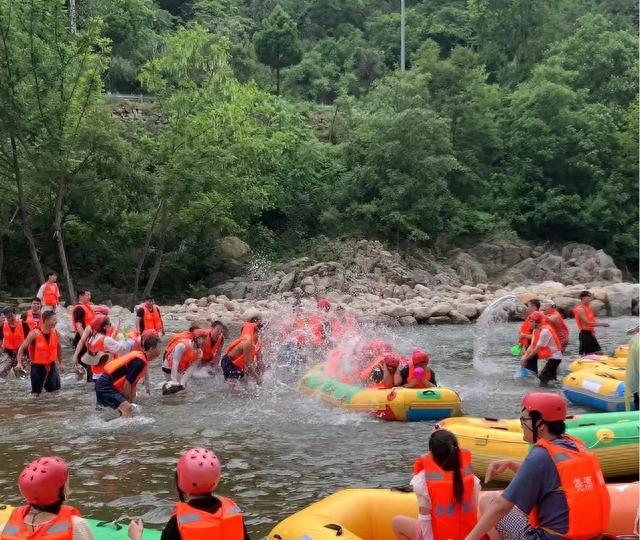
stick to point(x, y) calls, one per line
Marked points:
point(534, 302)
point(9, 310)
point(49, 274)
point(150, 343)
point(82, 292)
point(47, 315)
point(556, 428)
point(445, 451)
point(585, 293)
point(36, 299)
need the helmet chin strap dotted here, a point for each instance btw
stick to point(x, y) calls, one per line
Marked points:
point(535, 424)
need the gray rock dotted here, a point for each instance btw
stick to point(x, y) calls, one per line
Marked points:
point(565, 305)
point(469, 269)
point(287, 282)
point(233, 247)
point(458, 318)
point(620, 298)
point(238, 291)
point(471, 290)
point(203, 302)
point(439, 320)
point(441, 309)
point(421, 314)
point(598, 307)
point(394, 311)
point(190, 301)
point(423, 291)
point(468, 310)
point(407, 321)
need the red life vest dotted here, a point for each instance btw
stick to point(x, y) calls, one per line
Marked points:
point(189, 356)
point(209, 349)
point(449, 519)
point(95, 347)
point(31, 321)
point(525, 328)
point(152, 319)
point(12, 337)
point(59, 528)
point(426, 378)
point(588, 314)
point(113, 365)
point(88, 315)
point(545, 352)
point(50, 294)
point(317, 326)
point(582, 482)
point(561, 328)
point(43, 351)
point(225, 524)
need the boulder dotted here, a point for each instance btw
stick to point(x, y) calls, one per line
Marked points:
point(395, 311)
point(439, 320)
point(190, 301)
point(621, 298)
point(458, 318)
point(407, 321)
point(471, 290)
point(238, 291)
point(467, 309)
point(468, 269)
point(565, 305)
point(251, 313)
point(421, 314)
point(229, 306)
point(233, 247)
point(423, 291)
point(203, 302)
point(598, 307)
point(441, 309)
point(287, 282)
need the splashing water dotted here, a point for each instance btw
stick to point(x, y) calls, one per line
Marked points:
point(497, 312)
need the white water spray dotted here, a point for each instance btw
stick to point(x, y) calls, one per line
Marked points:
point(497, 312)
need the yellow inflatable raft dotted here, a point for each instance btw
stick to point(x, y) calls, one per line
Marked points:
point(401, 404)
point(599, 368)
point(612, 436)
point(366, 514)
point(622, 351)
point(596, 390)
point(612, 361)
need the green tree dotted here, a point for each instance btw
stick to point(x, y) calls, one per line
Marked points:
point(277, 44)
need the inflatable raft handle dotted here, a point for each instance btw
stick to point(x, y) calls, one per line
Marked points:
point(428, 393)
point(114, 523)
point(335, 527)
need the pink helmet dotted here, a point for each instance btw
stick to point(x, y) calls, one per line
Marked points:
point(40, 482)
point(418, 356)
point(101, 310)
point(536, 317)
point(324, 304)
point(97, 322)
point(198, 471)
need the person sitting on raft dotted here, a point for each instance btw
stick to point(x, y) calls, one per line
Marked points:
point(183, 356)
point(116, 387)
point(442, 479)
point(200, 513)
point(44, 484)
point(545, 345)
point(242, 356)
point(558, 491)
point(382, 374)
point(416, 373)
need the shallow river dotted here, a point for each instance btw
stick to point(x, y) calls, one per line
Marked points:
point(280, 450)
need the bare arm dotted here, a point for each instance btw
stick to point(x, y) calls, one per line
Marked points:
point(28, 340)
point(129, 392)
point(176, 357)
point(247, 354)
point(86, 334)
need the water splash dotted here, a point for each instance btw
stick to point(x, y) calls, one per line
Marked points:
point(499, 311)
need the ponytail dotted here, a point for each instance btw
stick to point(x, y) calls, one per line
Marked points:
point(444, 449)
point(458, 486)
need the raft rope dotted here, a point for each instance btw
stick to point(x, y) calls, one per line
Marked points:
point(600, 439)
point(486, 440)
point(116, 523)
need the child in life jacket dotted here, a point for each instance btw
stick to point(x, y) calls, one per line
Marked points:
point(416, 373)
point(44, 484)
point(447, 493)
point(200, 514)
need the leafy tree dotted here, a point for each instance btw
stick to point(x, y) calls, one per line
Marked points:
point(277, 44)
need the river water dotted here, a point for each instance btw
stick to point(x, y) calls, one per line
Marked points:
point(280, 450)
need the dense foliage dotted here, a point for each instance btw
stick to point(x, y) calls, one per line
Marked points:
point(280, 121)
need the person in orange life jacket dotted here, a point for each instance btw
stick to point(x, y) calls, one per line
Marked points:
point(49, 294)
point(416, 373)
point(12, 334)
point(558, 491)
point(81, 315)
point(100, 345)
point(32, 316)
point(447, 493)
point(545, 345)
point(212, 346)
point(185, 355)
point(116, 387)
point(586, 323)
point(553, 317)
point(381, 375)
point(45, 352)
point(148, 316)
point(524, 335)
point(44, 484)
point(347, 325)
point(200, 513)
point(242, 356)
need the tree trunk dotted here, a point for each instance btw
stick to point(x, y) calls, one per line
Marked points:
point(145, 251)
point(164, 226)
point(277, 81)
point(57, 229)
point(1, 257)
point(26, 224)
point(72, 17)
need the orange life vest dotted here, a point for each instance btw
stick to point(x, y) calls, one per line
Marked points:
point(317, 326)
point(225, 524)
point(152, 319)
point(295, 332)
point(51, 294)
point(589, 315)
point(210, 350)
point(334, 361)
point(59, 528)
point(189, 356)
point(582, 482)
point(88, 315)
point(561, 328)
point(12, 337)
point(248, 333)
point(95, 347)
point(365, 375)
point(113, 365)
point(426, 378)
point(31, 321)
point(525, 328)
point(174, 341)
point(42, 351)
point(449, 518)
point(545, 352)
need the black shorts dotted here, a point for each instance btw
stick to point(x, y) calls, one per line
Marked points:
point(532, 364)
point(588, 343)
point(106, 394)
point(166, 370)
point(44, 377)
point(550, 370)
point(229, 370)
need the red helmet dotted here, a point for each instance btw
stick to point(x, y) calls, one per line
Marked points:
point(40, 482)
point(323, 304)
point(198, 471)
point(148, 334)
point(536, 317)
point(391, 359)
point(419, 357)
point(200, 332)
point(97, 322)
point(101, 310)
point(551, 407)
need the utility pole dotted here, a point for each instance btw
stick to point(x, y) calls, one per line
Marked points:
point(402, 62)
